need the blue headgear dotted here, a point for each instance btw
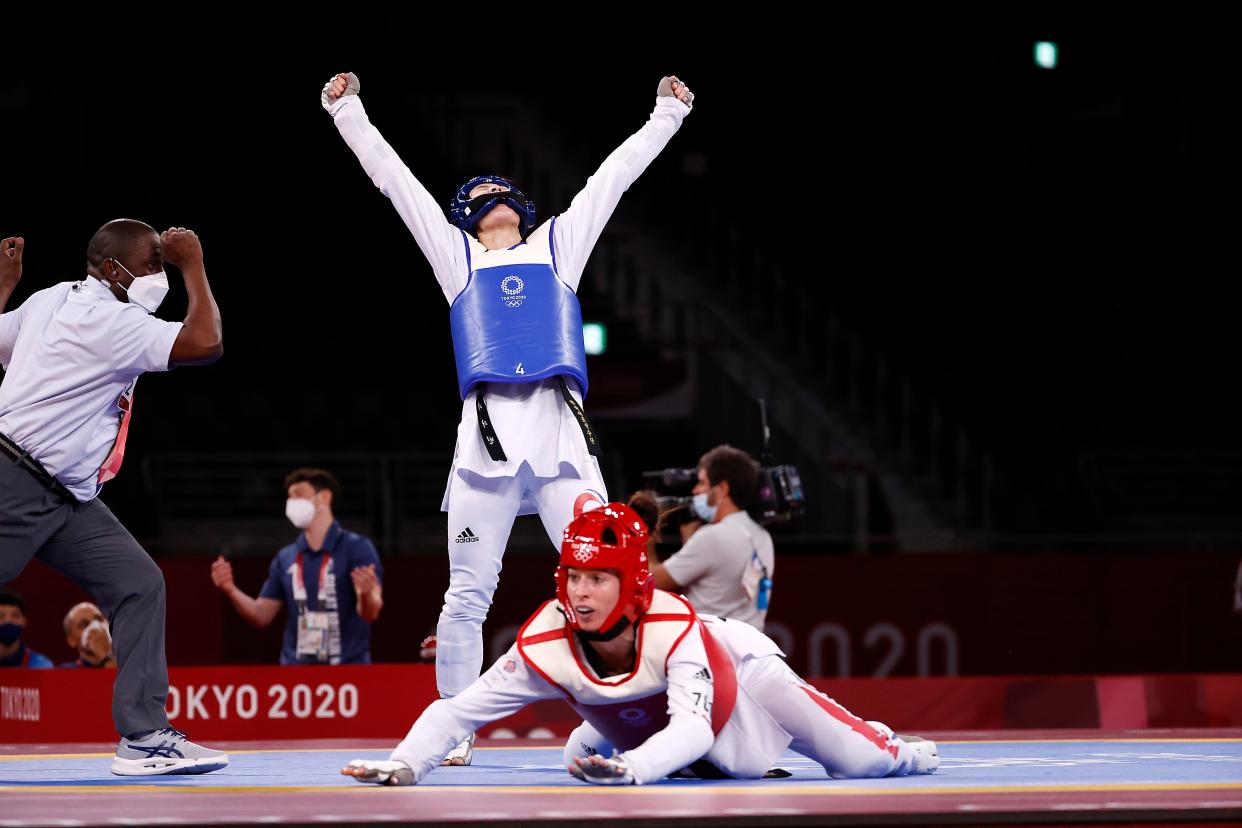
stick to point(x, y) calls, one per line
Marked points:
point(465, 212)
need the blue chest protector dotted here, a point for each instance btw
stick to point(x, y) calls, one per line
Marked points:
point(517, 323)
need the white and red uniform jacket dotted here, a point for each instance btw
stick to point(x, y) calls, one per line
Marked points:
point(685, 700)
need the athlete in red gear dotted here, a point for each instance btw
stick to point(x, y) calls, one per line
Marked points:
point(660, 689)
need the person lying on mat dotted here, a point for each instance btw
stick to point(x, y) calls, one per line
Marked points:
point(661, 689)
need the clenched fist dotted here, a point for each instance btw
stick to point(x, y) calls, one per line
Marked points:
point(222, 575)
point(181, 247)
point(345, 83)
point(11, 261)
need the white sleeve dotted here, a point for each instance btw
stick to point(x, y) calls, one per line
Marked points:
point(141, 342)
point(578, 228)
point(503, 690)
point(696, 558)
point(10, 324)
point(688, 736)
point(442, 243)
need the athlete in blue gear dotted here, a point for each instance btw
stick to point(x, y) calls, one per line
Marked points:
point(524, 445)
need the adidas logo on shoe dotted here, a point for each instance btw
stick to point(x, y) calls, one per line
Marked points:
point(467, 537)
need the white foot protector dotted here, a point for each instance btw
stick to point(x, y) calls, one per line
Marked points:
point(462, 754)
point(926, 755)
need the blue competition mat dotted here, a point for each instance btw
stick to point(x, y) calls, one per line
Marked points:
point(981, 766)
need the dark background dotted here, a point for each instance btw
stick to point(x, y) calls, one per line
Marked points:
point(1048, 253)
point(1047, 256)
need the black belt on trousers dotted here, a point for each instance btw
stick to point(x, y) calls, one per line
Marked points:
point(492, 441)
point(23, 459)
point(494, 449)
point(583, 423)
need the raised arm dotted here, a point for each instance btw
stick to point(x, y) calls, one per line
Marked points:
point(440, 242)
point(370, 591)
point(10, 274)
point(10, 267)
point(579, 227)
point(258, 612)
point(201, 340)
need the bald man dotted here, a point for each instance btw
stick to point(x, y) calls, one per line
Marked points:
point(86, 630)
point(72, 354)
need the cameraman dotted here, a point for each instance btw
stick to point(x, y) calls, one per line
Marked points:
point(725, 568)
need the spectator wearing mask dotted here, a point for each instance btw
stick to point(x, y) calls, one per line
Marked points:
point(13, 649)
point(87, 631)
point(330, 580)
point(725, 568)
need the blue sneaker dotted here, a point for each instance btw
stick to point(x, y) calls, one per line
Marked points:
point(165, 751)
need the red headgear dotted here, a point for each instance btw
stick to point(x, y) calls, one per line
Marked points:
point(610, 537)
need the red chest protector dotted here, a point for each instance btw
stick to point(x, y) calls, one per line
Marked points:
point(627, 710)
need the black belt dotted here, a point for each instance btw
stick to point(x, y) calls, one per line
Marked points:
point(23, 459)
point(492, 441)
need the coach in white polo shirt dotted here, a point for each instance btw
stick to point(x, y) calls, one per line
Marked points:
point(72, 354)
point(725, 568)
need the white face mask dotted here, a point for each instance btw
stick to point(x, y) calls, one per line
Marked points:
point(147, 292)
point(300, 511)
point(85, 636)
point(97, 624)
point(707, 513)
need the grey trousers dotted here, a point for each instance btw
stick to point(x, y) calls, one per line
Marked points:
point(89, 545)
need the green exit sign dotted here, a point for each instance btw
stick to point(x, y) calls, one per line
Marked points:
point(1046, 54)
point(596, 337)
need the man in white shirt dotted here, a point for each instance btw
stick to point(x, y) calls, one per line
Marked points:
point(72, 354)
point(524, 445)
point(726, 567)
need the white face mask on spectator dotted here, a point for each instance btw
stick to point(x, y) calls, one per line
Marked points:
point(97, 624)
point(300, 511)
point(707, 513)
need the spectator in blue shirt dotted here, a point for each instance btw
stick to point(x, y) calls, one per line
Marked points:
point(329, 579)
point(13, 650)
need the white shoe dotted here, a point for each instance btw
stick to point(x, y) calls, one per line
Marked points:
point(165, 751)
point(462, 754)
point(926, 754)
point(380, 772)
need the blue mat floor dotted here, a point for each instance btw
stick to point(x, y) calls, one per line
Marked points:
point(979, 765)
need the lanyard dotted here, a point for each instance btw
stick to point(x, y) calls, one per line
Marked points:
point(112, 464)
point(756, 581)
point(299, 586)
point(754, 551)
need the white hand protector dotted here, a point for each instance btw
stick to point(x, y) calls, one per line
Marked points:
point(665, 90)
point(600, 771)
point(380, 772)
point(351, 88)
